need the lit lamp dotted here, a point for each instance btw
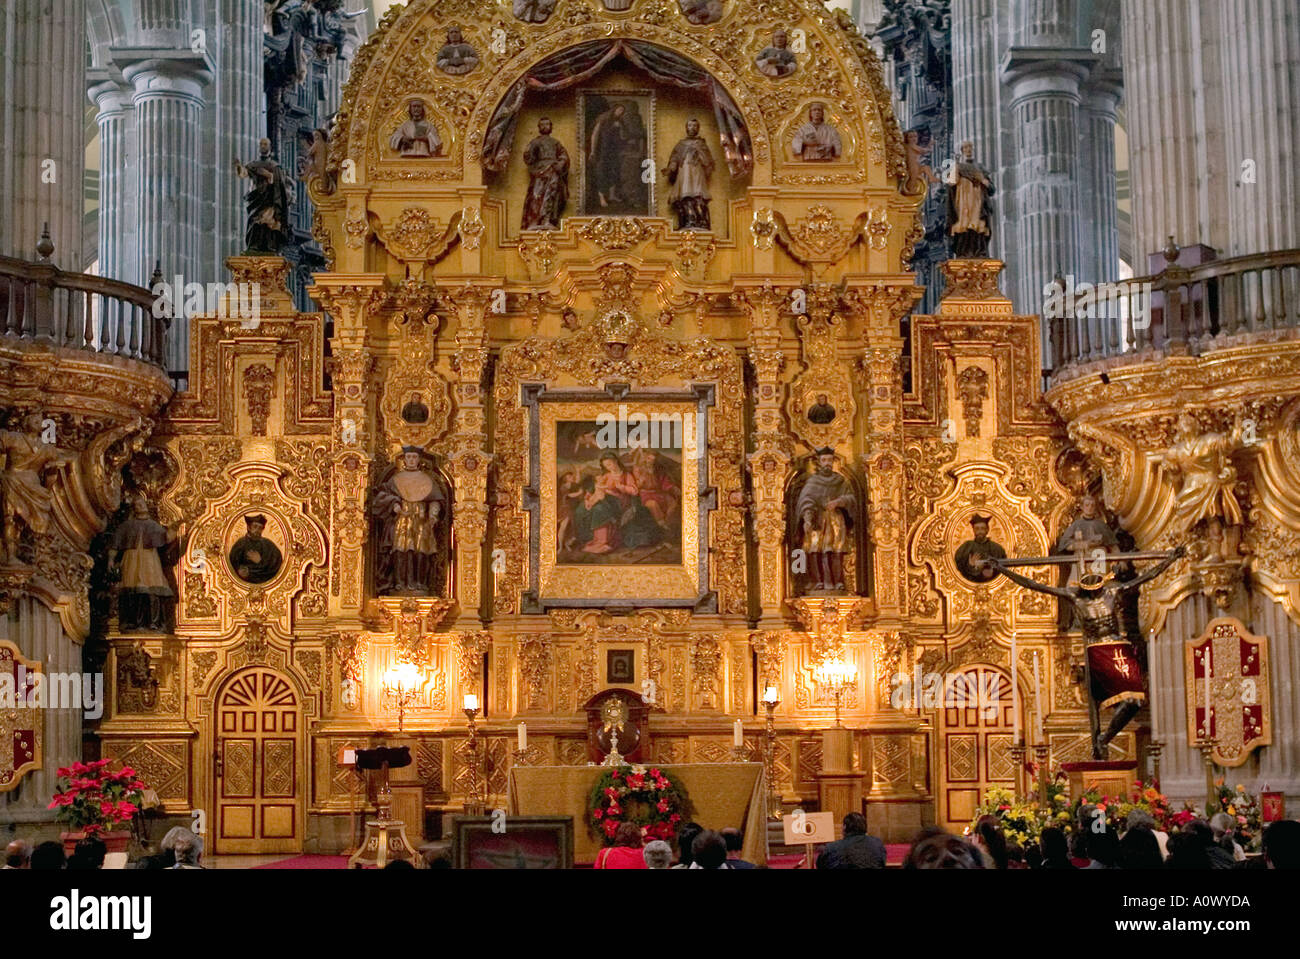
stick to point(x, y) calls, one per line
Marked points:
point(473, 805)
point(771, 698)
point(837, 676)
point(402, 685)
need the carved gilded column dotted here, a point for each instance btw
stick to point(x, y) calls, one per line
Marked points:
point(468, 457)
point(350, 299)
point(769, 459)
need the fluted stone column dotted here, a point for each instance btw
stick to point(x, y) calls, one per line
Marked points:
point(43, 76)
point(118, 239)
point(1099, 259)
point(975, 79)
point(240, 119)
point(168, 102)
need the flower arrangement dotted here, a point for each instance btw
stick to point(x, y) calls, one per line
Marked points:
point(1243, 806)
point(647, 796)
point(1019, 818)
point(94, 799)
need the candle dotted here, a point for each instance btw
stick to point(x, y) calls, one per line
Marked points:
point(1015, 710)
point(1155, 712)
point(471, 701)
point(1038, 699)
point(738, 734)
point(1209, 672)
point(523, 736)
point(771, 695)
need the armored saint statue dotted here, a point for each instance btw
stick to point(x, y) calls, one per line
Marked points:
point(689, 170)
point(417, 137)
point(816, 139)
point(408, 509)
point(970, 209)
point(826, 510)
point(267, 202)
point(254, 558)
point(137, 550)
point(1114, 664)
point(548, 180)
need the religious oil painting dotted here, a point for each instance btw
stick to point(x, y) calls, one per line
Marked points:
point(620, 499)
point(616, 158)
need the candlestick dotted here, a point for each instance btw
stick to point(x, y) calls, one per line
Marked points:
point(1042, 753)
point(1038, 698)
point(1015, 699)
point(1155, 710)
point(523, 736)
point(770, 700)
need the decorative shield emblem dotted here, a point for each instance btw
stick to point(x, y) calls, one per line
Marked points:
point(20, 717)
point(1238, 716)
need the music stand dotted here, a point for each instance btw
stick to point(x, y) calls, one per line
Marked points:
point(385, 837)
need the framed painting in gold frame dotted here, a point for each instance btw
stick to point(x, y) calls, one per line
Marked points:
point(622, 498)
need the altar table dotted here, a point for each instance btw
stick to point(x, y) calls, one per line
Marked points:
point(724, 794)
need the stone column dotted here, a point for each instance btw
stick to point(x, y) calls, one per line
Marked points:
point(240, 119)
point(118, 241)
point(1100, 240)
point(43, 75)
point(168, 103)
point(975, 82)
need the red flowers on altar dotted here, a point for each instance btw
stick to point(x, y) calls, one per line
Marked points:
point(647, 798)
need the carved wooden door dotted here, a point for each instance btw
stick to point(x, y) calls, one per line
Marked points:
point(258, 748)
point(975, 727)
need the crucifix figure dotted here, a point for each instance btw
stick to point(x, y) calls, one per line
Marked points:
point(1112, 669)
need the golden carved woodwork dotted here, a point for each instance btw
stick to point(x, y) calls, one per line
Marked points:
point(1241, 702)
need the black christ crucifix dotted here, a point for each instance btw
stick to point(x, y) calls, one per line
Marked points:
point(1111, 669)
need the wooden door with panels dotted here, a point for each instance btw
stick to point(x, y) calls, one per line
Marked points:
point(974, 742)
point(258, 752)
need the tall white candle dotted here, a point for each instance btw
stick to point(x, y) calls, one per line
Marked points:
point(1038, 699)
point(523, 736)
point(1015, 699)
point(1209, 674)
point(471, 701)
point(1155, 711)
point(738, 734)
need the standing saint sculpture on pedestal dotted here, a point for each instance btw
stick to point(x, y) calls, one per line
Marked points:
point(548, 180)
point(408, 509)
point(825, 512)
point(136, 552)
point(267, 203)
point(689, 169)
point(970, 210)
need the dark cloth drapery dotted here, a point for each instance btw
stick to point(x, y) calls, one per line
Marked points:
point(582, 62)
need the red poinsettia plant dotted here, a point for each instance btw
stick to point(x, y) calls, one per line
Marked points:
point(92, 798)
point(647, 796)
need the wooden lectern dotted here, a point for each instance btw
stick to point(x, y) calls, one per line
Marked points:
point(385, 837)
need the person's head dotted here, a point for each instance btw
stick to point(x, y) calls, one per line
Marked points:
point(686, 834)
point(1221, 824)
point(692, 127)
point(817, 112)
point(780, 39)
point(1186, 851)
point(88, 854)
point(400, 864)
point(264, 147)
point(855, 824)
point(979, 527)
point(454, 35)
point(911, 136)
point(188, 849)
point(411, 457)
point(1034, 856)
point(1139, 849)
point(544, 126)
point(821, 399)
point(139, 507)
point(254, 525)
point(611, 463)
point(415, 110)
point(587, 484)
point(49, 855)
point(619, 110)
point(18, 854)
point(968, 150)
point(1015, 852)
point(943, 852)
point(1088, 506)
point(1201, 830)
point(1056, 851)
point(989, 836)
point(825, 461)
point(34, 421)
point(1102, 847)
point(657, 854)
point(628, 834)
point(1282, 844)
point(1188, 425)
point(1138, 819)
point(709, 850)
point(735, 840)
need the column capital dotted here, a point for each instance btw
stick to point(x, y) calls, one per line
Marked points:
point(162, 72)
point(109, 95)
point(1037, 71)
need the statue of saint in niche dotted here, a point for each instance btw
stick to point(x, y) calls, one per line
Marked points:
point(533, 11)
point(821, 412)
point(254, 558)
point(267, 202)
point(970, 553)
point(689, 169)
point(816, 140)
point(408, 509)
point(456, 56)
point(777, 60)
point(701, 11)
point(548, 180)
point(970, 209)
point(137, 550)
point(825, 511)
point(416, 137)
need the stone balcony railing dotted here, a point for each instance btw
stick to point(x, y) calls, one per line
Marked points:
point(1181, 311)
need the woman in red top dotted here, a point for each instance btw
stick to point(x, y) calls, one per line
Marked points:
point(626, 851)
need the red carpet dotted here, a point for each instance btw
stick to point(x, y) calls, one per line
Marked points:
point(308, 862)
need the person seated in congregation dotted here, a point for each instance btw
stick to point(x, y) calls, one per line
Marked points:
point(49, 855)
point(1186, 851)
point(856, 850)
point(1139, 849)
point(626, 851)
point(88, 854)
point(991, 841)
point(1281, 847)
point(657, 854)
point(944, 851)
point(1224, 826)
point(735, 840)
point(18, 855)
point(1055, 850)
point(1015, 856)
point(1139, 818)
point(1218, 857)
point(1102, 849)
point(709, 851)
point(686, 834)
point(188, 850)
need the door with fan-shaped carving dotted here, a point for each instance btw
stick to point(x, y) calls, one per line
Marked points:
point(258, 753)
point(975, 725)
